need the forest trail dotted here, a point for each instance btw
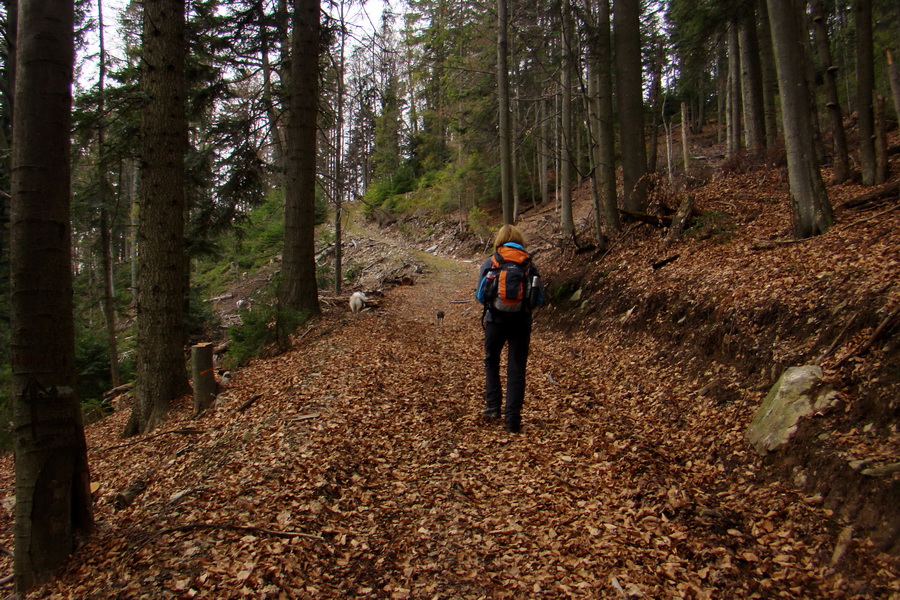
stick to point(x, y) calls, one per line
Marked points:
point(363, 469)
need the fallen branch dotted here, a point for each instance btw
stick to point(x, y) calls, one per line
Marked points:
point(880, 193)
point(867, 345)
point(248, 403)
point(121, 389)
point(182, 431)
point(306, 417)
point(770, 244)
point(836, 341)
point(656, 221)
point(124, 498)
point(875, 216)
point(660, 264)
point(238, 528)
point(461, 301)
point(878, 331)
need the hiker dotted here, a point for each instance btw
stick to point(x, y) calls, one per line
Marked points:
point(508, 288)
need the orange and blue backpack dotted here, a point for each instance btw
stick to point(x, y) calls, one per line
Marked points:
point(511, 283)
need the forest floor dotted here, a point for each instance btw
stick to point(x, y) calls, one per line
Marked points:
point(357, 464)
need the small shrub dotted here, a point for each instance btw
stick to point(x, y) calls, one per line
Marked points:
point(264, 324)
point(352, 270)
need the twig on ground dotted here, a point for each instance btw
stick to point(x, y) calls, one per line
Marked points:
point(181, 431)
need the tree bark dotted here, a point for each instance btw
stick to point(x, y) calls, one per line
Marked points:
point(811, 210)
point(734, 92)
point(656, 105)
point(109, 307)
point(203, 376)
point(751, 85)
point(161, 373)
point(832, 100)
point(506, 192)
point(865, 85)
point(894, 76)
point(769, 76)
point(52, 479)
point(606, 161)
point(685, 152)
point(299, 291)
point(630, 99)
point(567, 225)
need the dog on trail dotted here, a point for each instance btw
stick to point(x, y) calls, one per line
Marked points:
point(357, 302)
point(440, 317)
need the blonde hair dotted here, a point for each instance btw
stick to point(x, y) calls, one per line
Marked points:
point(507, 234)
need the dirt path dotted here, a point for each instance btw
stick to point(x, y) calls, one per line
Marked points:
point(364, 470)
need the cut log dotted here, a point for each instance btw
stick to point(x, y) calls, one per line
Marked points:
point(203, 376)
point(880, 193)
point(681, 217)
point(655, 220)
point(119, 390)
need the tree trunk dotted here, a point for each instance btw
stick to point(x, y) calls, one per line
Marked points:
point(734, 92)
point(506, 193)
point(606, 161)
point(656, 106)
point(299, 291)
point(52, 479)
point(629, 84)
point(811, 209)
point(769, 76)
point(567, 224)
point(832, 101)
point(722, 95)
point(593, 126)
point(109, 308)
point(161, 373)
point(514, 136)
point(751, 85)
point(894, 76)
point(879, 103)
point(685, 152)
point(544, 145)
point(865, 85)
point(810, 74)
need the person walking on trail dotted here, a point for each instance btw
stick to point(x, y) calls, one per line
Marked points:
point(508, 288)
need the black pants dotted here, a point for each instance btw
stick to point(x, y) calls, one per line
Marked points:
point(514, 330)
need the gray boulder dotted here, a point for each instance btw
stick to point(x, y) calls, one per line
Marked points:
point(798, 393)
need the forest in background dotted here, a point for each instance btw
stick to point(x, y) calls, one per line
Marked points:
point(407, 119)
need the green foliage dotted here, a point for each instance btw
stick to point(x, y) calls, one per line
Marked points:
point(324, 276)
point(563, 291)
point(479, 222)
point(264, 325)
point(92, 369)
point(711, 223)
point(201, 321)
point(352, 270)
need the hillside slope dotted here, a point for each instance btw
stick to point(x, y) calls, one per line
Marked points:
point(357, 465)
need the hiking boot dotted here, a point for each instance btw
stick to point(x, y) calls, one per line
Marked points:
point(513, 424)
point(492, 415)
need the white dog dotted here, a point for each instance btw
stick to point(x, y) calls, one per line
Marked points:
point(357, 302)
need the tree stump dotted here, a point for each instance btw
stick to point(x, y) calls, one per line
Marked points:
point(204, 376)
